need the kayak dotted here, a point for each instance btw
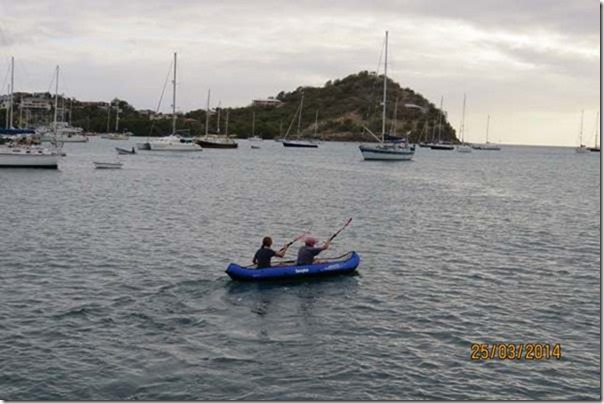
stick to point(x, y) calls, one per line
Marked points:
point(345, 264)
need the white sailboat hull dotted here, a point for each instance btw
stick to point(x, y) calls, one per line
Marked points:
point(174, 147)
point(464, 148)
point(28, 157)
point(173, 143)
point(386, 153)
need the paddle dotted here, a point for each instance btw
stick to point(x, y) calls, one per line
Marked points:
point(286, 246)
point(338, 232)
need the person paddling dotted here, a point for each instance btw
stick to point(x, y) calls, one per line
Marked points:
point(307, 253)
point(263, 256)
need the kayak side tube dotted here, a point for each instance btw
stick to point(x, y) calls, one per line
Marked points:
point(345, 264)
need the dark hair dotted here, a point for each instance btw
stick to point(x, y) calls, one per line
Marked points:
point(267, 241)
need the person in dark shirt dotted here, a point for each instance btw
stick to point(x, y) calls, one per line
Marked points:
point(263, 256)
point(307, 253)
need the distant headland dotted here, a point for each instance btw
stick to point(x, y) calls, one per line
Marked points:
point(340, 110)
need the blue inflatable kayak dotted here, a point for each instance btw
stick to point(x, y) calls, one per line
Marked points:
point(344, 264)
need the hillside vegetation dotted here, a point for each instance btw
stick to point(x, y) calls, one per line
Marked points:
point(344, 106)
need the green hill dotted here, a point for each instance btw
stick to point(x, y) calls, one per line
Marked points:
point(345, 106)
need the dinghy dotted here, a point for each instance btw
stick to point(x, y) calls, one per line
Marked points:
point(121, 150)
point(345, 264)
point(107, 165)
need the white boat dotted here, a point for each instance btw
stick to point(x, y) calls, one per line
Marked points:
point(386, 151)
point(463, 147)
point(64, 133)
point(582, 148)
point(254, 137)
point(487, 145)
point(117, 136)
point(23, 156)
point(20, 153)
point(107, 165)
point(172, 142)
point(596, 148)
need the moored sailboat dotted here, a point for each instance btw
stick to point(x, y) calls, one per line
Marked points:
point(19, 151)
point(300, 143)
point(463, 147)
point(582, 148)
point(386, 151)
point(215, 141)
point(488, 145)
point(172, 142)
point(596, 148)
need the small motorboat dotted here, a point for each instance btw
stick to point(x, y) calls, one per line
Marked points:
point(105, 165)
point(121, 150)
point(345, 264)
point(300, 143)
point(254, 146)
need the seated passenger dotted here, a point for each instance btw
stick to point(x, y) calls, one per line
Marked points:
point(263, 256)
point(307, 253)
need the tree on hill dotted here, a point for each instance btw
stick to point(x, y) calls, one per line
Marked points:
point(345, 107)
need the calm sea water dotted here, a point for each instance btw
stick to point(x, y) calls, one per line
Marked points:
point(112, 283)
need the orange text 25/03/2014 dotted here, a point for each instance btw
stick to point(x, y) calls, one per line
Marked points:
point(515, 351)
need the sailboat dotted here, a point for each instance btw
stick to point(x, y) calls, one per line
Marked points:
point(173, 142)
point(582, 148)
point(488, 145)
point(19, 152)
point(439, 145)
point(391, 150)
point(463, 147)
point(299, 142)
point(596, 148)
point(115, 135)
point(215, 141)
point(254, 137)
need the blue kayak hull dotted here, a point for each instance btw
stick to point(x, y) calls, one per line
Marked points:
point(346, 264)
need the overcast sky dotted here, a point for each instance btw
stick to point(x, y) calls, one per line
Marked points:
point(533, 65)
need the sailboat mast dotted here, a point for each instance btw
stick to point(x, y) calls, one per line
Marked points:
point(316, 122)
point(385, 86)
point(109, 116)
point(488, 119)
point(117, 117)
point(56, 102)
point(226, 126)
point(7, 109)
point(208, 112)
point(300, 115)
point(440, 118)
point(253, 122)
point(581, 130)
point(393, 126)
point(463, 117)
point(173, 98)
point(218, 117)
point(12, 90)
point(597, 124)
